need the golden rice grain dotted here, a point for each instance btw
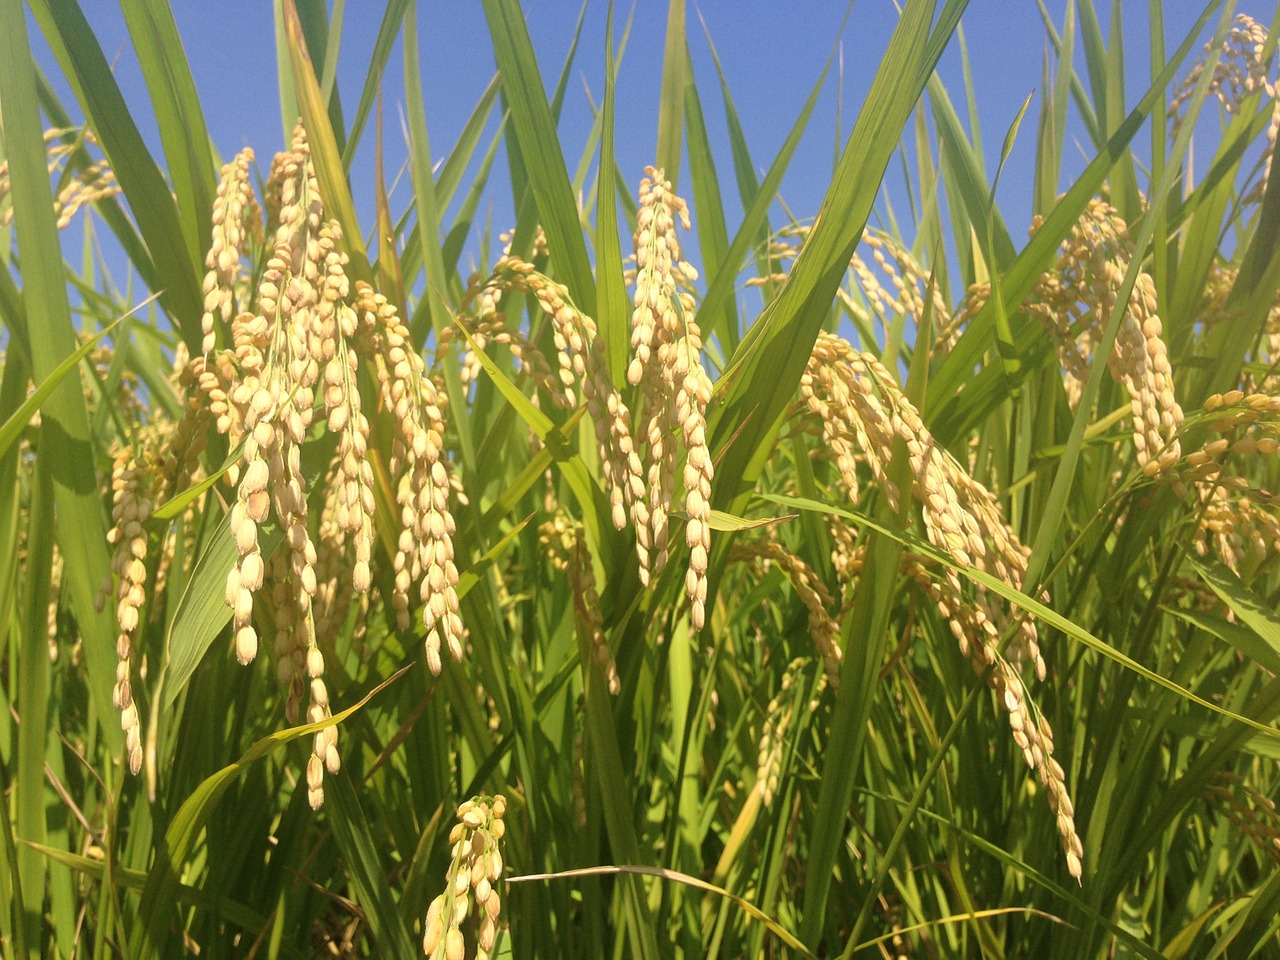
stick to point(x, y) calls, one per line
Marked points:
point(777, 721)
point(582, 367)
point(236, 219)
point(475, 868)
point(667, 366)
point(863, 413)
point(1075, 300)
point(85, 183)
point(812, 592)
point(131, 508)
point(425, 545)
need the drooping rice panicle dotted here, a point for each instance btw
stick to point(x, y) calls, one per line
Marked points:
point(470, 883)
point(862, 412)
point(581, 367)
point(811, 591)
point(236, 220)
point(778, 720)
point(424, 552)
point(131, 508)
point(87, 183)
point(667, 366)
point(1075, 300)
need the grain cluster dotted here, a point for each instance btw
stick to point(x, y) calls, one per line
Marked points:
point(864, 416)
point(287, 351)
point(475, 867)
point(666, 366)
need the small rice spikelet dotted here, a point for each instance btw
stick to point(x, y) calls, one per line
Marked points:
point(470, 888)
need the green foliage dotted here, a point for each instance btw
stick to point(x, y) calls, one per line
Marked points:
point(739, 790)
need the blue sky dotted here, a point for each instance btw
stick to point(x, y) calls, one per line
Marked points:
point(772, 54)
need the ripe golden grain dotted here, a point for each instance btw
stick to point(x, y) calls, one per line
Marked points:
point(474, 869)
point(667, 366)
point(812, 592)
point(236, 220)
point(425, 544)
point(862, 413)
point(1075, 299)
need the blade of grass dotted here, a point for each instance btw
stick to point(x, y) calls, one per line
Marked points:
point(383, 45)
point(387, 269)
point(713, 235)
point(424, 191)
point(570, 464)
point(535, 129)
point(176, 107)
point(162, 887)
point(13, 427)
point(64, 441)
point(1010, 362)
point(32, 703)
point(247, 919)
point(324, 41)
point(1253, 611)
point(12, 905)
point(671, 95)
point(602, 741)
point(966, 175)
point(364, 869)
point(447, 183)
point(202, 610)
point(614, 322)
point(178, 273)
point(754, 226)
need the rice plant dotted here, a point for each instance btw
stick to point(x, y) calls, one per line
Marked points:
point(576, 607)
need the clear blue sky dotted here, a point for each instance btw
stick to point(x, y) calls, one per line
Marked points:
point(772, 53)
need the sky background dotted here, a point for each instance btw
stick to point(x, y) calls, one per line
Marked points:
point(772, 54)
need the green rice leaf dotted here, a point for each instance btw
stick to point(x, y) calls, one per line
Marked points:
point(202, 611)
point(81, 58)
point(1254, 612)
point(176, 107)
point(32, 701)
point(18, 420)
point(245, 918)
point(351, 830)
point(614, 322)
point(671, 97)
point(383, 45)
point(535, 129)
point(1241, 637)
point(754, 226)
point(709, 220)
point(162, 887)
point(64, 437)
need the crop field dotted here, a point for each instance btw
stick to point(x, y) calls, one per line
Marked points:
point(674, 574)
